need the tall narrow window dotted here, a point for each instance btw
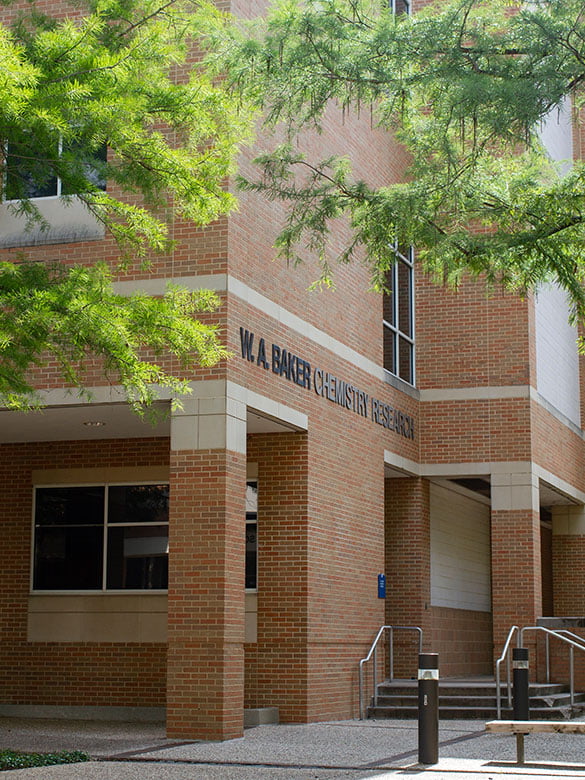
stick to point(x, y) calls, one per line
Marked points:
point(398, 313)
point(251, 535)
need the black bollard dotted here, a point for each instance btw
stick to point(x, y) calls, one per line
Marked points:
point(520, 679)
point(428, 708)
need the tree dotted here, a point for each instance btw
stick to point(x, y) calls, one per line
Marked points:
point(119, 75)
point(466, 85)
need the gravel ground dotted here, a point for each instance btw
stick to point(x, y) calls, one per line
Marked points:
point(345, 750)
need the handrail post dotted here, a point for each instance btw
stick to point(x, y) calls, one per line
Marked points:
point(498, 696)
point(572, 673)
point(375, 676)
point(547, 638)
point(391, 651)
point(361, 689)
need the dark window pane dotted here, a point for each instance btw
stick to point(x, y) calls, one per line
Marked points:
point(388, 299)
point(138, 557)
point(405, 358)
point(404, 298)
point(251, 555)
point(91, 164)
point(251, 496)
point(138, 504)
point(69, 506)
point(29, 173)
point(389, 350)
point(68, 558)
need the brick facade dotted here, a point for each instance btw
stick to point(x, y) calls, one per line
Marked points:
point(342, 498)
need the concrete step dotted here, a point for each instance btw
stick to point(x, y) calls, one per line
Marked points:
point(408, 688)
point(473, 699)
point(471, 713)
point(483, 702)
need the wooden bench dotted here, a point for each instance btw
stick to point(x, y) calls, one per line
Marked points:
point(522, 727)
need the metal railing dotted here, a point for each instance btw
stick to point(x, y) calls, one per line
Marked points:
point(568, 637)
point(373, 656)
point(505, 656)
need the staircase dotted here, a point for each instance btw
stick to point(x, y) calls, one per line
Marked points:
point(474, 699)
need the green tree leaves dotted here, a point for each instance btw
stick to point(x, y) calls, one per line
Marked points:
point(121, 75)
point(466, 86)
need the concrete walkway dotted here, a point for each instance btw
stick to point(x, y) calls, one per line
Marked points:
point(344, 750)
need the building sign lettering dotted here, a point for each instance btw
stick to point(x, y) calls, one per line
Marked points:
point(295, 369)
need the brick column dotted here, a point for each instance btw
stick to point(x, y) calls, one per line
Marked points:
point(408, 567)
point(205, 671)
point(568, 555)
point(282, 667)
point(516, 559)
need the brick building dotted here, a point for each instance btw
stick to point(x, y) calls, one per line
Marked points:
point(228, 558)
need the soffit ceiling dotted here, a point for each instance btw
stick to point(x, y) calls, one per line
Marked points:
point(100, 421)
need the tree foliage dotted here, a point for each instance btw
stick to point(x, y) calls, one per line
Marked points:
point(466, 85)
point(120, 74)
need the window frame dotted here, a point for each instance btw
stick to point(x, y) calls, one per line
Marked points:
point(399, 335)
point(104, 590)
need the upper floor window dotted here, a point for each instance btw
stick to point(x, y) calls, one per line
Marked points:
point(398, 313)
point(400, 6)
point(101, 537)
point(29, 170)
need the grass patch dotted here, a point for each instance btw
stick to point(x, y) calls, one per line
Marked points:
point(14, 759)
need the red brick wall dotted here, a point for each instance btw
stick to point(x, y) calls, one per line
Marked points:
point(320, 548)
point(277, 665)
point(65, 673)
point(408, 568)
point(463, 640)
point(516, 572)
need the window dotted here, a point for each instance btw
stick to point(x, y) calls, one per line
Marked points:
point(101, 537)
point(400, 6)
point(398, 323)
point(29, 170)
point(251, 535)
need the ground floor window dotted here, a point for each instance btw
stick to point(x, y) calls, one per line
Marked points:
point(251, 535)
point(101, 537)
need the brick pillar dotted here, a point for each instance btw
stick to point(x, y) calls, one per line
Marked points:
point(516, 559)
point(408, 566)
point(283, 578)
point(205, 671)
point(568, 555)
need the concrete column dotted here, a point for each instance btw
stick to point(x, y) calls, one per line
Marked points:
point(516, 559)
point(408, 567)
point(205, 668)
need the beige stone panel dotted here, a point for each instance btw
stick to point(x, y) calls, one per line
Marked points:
point(47, 627)
point(111, 627)
point(98, 618)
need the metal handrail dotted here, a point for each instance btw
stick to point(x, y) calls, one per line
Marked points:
point(580, 645)
point(505, 655)
point(568, 633)
point(563, 634)
point(374, 652)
